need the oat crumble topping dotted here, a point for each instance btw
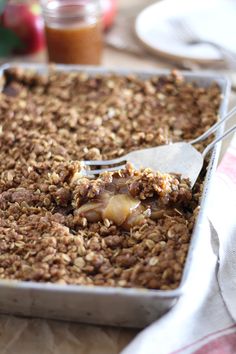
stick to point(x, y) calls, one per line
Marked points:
point(56, 226)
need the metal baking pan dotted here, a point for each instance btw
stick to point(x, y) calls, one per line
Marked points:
point(109, 305)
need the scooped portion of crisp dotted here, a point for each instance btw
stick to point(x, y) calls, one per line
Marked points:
point(127, 228)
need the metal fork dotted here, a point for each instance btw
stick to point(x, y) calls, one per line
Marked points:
point(181, 158)
point(186, 34)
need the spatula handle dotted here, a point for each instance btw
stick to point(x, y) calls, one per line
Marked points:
point(214, 142)
point(214, 127)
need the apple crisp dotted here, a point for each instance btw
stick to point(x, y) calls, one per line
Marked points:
point(129, 228)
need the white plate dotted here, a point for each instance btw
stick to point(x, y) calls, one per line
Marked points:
point(210, 19)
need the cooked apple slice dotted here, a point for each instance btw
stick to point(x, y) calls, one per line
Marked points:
point(91, 211)
point(119, 207)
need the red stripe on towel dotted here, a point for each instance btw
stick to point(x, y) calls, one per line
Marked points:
point(228, 166)
point(225, 344)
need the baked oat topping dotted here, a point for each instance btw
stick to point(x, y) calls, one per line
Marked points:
point(128, 197)
point(129, 229)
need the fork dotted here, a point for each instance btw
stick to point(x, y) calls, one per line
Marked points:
point(181, 158)
point(186, 34)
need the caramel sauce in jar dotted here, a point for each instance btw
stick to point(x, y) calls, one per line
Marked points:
point(73, 31)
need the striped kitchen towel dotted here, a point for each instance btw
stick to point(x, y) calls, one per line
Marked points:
point(204, 319)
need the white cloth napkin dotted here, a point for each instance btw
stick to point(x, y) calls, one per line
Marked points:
point(203, 321)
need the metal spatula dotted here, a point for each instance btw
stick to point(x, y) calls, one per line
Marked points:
point(181, 157)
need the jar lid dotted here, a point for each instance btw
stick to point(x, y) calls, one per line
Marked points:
point(70, 9)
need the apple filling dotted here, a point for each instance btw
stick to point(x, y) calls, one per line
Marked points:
point(121, 209)
point(129, 198)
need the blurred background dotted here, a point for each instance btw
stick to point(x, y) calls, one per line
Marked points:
point(185, 34)
point(135, 34)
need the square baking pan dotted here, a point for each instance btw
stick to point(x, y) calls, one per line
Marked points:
point(127, 307)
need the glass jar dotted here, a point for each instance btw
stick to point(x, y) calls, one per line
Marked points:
point(73, 31)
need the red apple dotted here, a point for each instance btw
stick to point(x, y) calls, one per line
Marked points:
point(109, 10)
point(25, 21)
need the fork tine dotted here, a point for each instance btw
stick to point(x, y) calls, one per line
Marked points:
point(179, 32)
point(110, 169)
point(183, 30)
point(187, 28)
point(104, 162)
